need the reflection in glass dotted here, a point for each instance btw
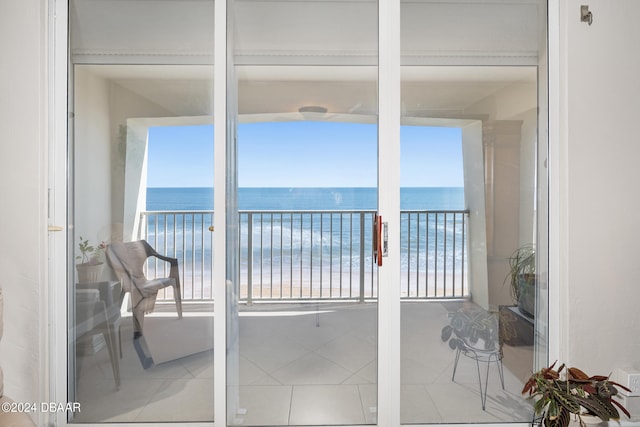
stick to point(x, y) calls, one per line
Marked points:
point(307, 313)
point(465, 356)
point(132, 343)
point(302, 345)
point(136, 353)
point(490, 341)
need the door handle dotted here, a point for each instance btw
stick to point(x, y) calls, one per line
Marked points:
point(377, 253)
point(380, 239)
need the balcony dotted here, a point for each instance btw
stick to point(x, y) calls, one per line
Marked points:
point(293, 371)
point(314, 255)
point(296, 360)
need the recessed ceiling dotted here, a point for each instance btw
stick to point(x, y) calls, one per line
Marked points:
point(289, 54)
point(439, 90)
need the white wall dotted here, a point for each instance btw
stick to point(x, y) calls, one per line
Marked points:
point(596, 179)
point(23, 155)
point(101, 110)
point(599, 196)
point(475, 201)
point(125, 104)
point(92, 158)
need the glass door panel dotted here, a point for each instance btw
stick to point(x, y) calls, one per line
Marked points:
point(141, 147)
point(305, 299)
point(469, 188)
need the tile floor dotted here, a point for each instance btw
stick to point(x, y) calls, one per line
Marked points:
point(308, 365)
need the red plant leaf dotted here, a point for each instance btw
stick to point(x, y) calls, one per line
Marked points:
point(528, 387)
point(620, 385)
point(589, 388)
point(577, 374)
point(622, 408)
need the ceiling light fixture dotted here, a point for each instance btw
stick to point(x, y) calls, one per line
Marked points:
point(313, 109)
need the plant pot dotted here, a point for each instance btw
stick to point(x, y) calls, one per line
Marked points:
point(587, 419)
point(527, 294)
point(89, 272)
point(591, 419)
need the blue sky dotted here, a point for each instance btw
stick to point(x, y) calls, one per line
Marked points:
point(304, 154)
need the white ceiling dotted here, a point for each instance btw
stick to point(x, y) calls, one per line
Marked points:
point(435, 90)
point(293, 53)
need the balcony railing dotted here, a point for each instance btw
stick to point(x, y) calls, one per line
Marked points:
point(314, 255)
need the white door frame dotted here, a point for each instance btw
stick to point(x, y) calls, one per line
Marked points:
point(55, 348)
point(389, 209)
point(54, 342)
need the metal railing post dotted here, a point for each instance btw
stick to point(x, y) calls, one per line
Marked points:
point(445, 234)
point(250, 258)
point(362, 256)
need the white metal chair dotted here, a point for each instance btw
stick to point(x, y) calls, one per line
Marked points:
point(483, 346)
point(127, 260)
point(98, 312)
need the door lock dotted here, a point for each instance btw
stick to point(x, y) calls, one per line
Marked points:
point(585, 14)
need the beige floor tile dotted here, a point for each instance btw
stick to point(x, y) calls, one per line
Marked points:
point(264, 405)
point(329, 404)
point(294, 372)
point(312, 369)
point(416, 406)
point(180, 400)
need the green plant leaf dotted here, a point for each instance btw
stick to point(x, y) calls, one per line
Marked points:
point(553, 409)
point(561, 420)
point(601, 408)
point(538, 407)
point(446, 333)
point(605, 389)
point(454, 343)
point(567, 400)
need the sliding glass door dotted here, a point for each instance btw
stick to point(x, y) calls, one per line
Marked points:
point(141, 146)
point(370, 198)
point(473, 171)
point(304, 305)
point(467, 207)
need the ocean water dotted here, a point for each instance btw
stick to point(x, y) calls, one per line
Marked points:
point(427, 198)
point(429, 242)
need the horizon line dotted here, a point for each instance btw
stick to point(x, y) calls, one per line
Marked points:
point(294, 187)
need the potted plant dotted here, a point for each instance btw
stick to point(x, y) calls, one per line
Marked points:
point(476, 326)
point(90, 266)
point(559, 395)
point(522, 278)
